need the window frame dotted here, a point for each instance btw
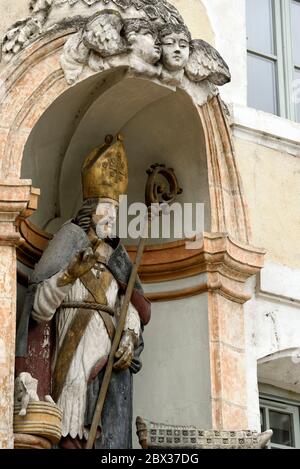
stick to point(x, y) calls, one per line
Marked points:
point(293, 65)
point(268, 402)
point(283, 59)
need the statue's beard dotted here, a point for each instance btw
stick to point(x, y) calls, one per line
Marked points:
point(99, 230)
point(102, 230)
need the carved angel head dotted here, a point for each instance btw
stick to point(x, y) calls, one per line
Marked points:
point(175, 40)
point(142, 37)
point(102, 33)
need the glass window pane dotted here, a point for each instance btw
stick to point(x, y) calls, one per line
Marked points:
point(296, 94)
point(282, 425)
point(260, 26)
point(295, 13)
point(262, 84)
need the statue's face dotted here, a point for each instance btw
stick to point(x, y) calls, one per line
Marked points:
point(105, 219)
point(175, 51)
point(145, 45)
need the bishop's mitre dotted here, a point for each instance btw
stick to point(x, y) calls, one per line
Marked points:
point(105, 171)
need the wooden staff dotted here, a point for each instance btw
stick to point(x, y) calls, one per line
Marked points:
point(154, 192)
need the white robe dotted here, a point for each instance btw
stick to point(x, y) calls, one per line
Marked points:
point(94, 345)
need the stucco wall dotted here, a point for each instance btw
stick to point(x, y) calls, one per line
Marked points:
point(196, 17)
point(228, 21)
point(271, 181)
point(272, 325)
point(174, 384)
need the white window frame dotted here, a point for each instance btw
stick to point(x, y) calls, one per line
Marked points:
point(285, 70)
point(287, 407)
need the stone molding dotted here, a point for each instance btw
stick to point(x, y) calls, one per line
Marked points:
point(228, 263)
point(23, 441)
point(280, 369)
point(43, 419)
point(17, 198)
point(265, 129)
point(279, 283)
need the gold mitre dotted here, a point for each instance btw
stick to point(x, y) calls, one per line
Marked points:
point(105, 171)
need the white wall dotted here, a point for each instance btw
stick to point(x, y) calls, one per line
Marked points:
point(228, 20)
point(272, 322)
point(174, 384)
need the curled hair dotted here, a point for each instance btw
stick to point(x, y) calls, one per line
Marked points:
point(134, 25)
point(85, 213)
point(168, 29)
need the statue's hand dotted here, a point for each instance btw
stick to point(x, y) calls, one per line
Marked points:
point(125, 352)
point(82, 263)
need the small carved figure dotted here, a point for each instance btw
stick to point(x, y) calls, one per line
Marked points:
point(100, 38)
point(143, 40)
point(25, 391)
point(144, 45)
point(75, 56)
point(102, 34)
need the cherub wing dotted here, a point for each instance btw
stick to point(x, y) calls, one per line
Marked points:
point(206, 63)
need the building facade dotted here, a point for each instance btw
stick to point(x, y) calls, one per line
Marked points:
point(222, 351)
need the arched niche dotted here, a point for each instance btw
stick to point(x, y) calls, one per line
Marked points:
point(159, 125)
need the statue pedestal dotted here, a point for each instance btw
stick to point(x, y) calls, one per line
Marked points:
point(23, 441)
point(40, 428)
